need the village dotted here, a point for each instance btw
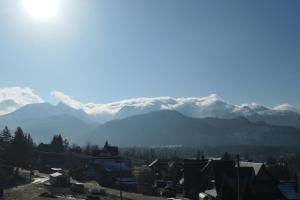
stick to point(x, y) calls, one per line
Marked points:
point(149, 100)
point(105, 173)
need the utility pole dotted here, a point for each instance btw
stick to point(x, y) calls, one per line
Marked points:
point(30, 172)
point(120, 179)
point(238, 176)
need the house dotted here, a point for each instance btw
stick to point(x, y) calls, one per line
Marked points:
point(54, 169)
point(168, 174)
point(167, 170)
point(59, 179)
point(160, 168)
point(220, 179)
point(46, 160)
point(264, 185)
point(192, 177)
point(279, 169)
point(112, 173)
point(106, 151)
point(223, 183)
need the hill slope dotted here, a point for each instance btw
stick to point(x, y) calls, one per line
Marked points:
point(170, 127)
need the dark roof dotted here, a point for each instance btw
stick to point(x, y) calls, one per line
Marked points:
point(290, 189)
point(194, 179)
point(112, 165)
point(126, 180)
point(247, 174)
point(222, 174)
point(221, 171)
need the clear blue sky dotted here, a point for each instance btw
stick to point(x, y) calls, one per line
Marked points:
point(107, 50)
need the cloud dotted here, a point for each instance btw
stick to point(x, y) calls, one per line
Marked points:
point(68, 100)
point(192, 106)
point(12, 98)
point(287, 107)
point(199, 107)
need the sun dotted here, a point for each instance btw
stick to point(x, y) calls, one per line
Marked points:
point(41, 9)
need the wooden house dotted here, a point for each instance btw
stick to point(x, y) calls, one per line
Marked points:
point(112, 173)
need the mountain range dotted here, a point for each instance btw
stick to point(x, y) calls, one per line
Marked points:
point(166, 127)
point(197, 107)
point(179, 118)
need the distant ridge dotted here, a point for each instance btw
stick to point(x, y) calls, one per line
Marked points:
point(197, 107)
point(43, 120)
point(162, 127)
point(173, 128)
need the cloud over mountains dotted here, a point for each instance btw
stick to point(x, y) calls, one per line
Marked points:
point(74, 119)
point(12, 98)
point(198, 107)
point(211, 106)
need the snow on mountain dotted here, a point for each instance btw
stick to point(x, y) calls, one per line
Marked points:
point(14, 98)
point(287, 107)
point(210, 106)
point(249, 109)
point(22, 107)
point(198, 107)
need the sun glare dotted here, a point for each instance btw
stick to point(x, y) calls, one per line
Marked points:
point(41, 9)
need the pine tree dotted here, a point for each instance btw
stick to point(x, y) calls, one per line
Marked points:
point(66, 145)
point(5, 141)
point(57, 144)
point(20, 149)
point(87, 149)
point(5, 136)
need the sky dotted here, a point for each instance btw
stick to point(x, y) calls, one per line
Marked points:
point(108, 50)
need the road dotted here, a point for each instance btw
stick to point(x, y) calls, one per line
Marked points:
point(126, 195)
point(40, 177)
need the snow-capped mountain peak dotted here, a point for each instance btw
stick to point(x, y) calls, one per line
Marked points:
point(198, 107)
point(249, 109)
point(287, 107)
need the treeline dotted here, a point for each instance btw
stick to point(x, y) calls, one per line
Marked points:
point(57, 145)
point(247, 152)
point(15, 150)
point(15, 153)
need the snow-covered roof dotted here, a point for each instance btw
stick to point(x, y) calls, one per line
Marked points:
point(56, 169)
point(56, 174)
point(255, 166)
point(212, 193)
